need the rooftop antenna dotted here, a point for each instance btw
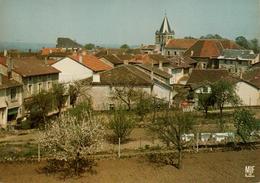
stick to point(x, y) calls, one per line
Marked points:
point(165, 13)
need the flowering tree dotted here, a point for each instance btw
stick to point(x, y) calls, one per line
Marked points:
point(71, 140)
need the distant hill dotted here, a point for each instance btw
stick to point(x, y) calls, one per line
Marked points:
point(25, 46)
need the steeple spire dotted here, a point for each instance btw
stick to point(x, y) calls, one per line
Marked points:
point(165, 27)
point(164, 34)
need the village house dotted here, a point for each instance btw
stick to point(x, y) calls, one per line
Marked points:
point(79, 66)
point(200, 80)
point(155, 72)
point(10, 100)
point(147, 49)
point(248, 88)
point(91, 61)
point(32, 73)
point(111, 59)
point(101, 86)
point(237, 61)
point(177, 46)
point(207, 51)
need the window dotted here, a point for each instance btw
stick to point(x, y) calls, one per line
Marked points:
point(40, 87)
point(205, 89)
point(168, 52)
point(175, 53)
point(49, 85)
point(111, 107)
point(29, 79)
point(30, 89)
point(13, 93)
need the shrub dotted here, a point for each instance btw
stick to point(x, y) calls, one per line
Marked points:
point(121, 124)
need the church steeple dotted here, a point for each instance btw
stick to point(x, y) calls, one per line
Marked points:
point(165, 27)
point(164, 34)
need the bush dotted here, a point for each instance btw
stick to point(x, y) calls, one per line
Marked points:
point(26, 124)
point(164, 159)
point(121, 124)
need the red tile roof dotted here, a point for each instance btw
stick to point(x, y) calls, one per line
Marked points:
point(151, 58)
point(92, 62)
point(30, 67)
point(180, 43)
point(47, 51)
point(208, 48)
point(8, 83)
point(253, 77)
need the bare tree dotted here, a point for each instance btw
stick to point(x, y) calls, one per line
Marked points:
point(58, 92)
point(170, 127)
point(76, 90)
point(122, 124)
point(126, 94)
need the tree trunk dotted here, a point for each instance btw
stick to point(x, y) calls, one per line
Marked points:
point(76, 168)
point(179, 164)
point(221, 113)
point(206, 112)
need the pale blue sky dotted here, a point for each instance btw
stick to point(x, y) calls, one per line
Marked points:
point(125, 21)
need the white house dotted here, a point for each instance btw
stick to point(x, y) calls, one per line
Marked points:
point(248, 88)
point(71, 70)
point(248, 93)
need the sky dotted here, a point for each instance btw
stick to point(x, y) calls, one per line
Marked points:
point(125, 21)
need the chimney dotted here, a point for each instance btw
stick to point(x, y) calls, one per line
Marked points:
point(96, 78)
point(241, 75)
point(80, 58)
point(45, 60)
point(9, 67)
point(160, 65)
point(152, 75)
point(5, 53)
point(84, 52)
point(1, 79)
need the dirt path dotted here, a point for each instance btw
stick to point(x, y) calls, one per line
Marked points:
point(203, 167)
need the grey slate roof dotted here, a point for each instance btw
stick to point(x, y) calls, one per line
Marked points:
point(155, 70)
point(238, 54)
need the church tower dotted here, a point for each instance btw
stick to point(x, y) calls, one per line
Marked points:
point(163, 35)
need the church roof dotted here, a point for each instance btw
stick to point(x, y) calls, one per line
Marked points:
point(165, 27)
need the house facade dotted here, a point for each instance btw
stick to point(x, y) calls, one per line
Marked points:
point(237, 61)
point(207, 51)
point(71, 70)
point(33, 74)
point(177, 46)
point(10, 100)
point(248, 93)
point(102, 86)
